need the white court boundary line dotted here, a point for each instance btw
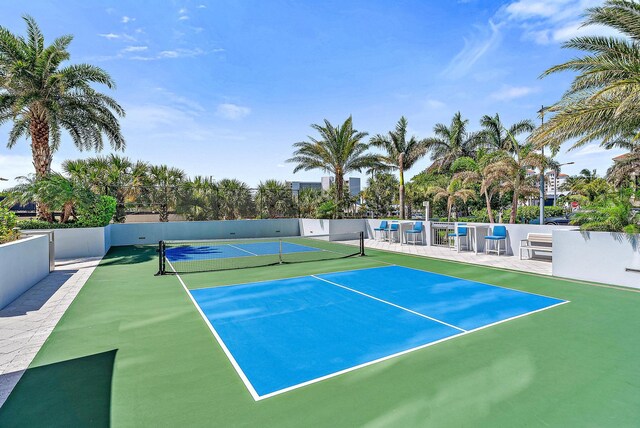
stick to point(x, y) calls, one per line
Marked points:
point(246, 251)
point(258, 397)
point(388, 303)
point(233, 361)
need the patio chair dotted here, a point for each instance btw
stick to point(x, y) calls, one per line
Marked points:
point(415, 233)
point(384, 224)
point(394, 229)
point(456, 237)
point(498, 235)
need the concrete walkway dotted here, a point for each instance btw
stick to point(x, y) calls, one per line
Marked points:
point(541, 267)
point(27, 322)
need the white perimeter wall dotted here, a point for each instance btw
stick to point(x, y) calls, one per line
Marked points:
point(151, 233)
point(22, 264)
point(336, 229)
point(80, 242)
point(597, 256)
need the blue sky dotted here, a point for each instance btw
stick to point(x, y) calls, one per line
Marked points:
point(224, 88)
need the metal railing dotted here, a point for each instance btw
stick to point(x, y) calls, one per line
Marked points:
point(439, 232)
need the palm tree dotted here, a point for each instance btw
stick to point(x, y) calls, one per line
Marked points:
point(163, 188)
point(338, 151)
point(479, 171)
point(401, 154)
point(308, 201)
point(110, 175)
point(602, 102)
point(495, 135)
point(451, 142)
point(199, 201)
point(510, 172)
point(235, 199)
point(455, 192)
point(274, 199)
point(42, 98)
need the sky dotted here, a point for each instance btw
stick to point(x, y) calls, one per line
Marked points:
point(224, 88)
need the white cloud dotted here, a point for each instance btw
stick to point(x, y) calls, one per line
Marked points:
point(590, 149)
point(474, 49)
point(552, 21)
point(170, 54)
point(232, 111)
point(182, 11)
point(126, 19)
point(507, 93)
point(183, 18)
point(202, 6)
point(135, 48)
point(434, 104)
point(110, 36)
point(281, 165)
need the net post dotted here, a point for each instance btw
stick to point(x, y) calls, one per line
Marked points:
point(280, 251)
point(161, 263)
point(362, 243)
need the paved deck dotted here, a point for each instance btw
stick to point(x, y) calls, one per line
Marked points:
point(541, 267)
point(27, 322)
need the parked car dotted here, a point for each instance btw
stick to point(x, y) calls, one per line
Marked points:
point(560, 220)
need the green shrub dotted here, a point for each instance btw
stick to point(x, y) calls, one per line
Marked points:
point(528, 213)
point(326, 209)
point(97, 214)
point(8, 221)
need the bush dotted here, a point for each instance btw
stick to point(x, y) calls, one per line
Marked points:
point(8, 221)
point(528, 213)
point(97, 214)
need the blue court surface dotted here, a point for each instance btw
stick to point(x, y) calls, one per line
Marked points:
point(192, 252)
point(287, 333)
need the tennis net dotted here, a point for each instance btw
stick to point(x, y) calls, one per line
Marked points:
point(225, 254)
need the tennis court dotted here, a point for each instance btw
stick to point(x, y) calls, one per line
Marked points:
point(284, 334)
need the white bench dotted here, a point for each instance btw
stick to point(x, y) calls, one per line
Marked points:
point(536, 242)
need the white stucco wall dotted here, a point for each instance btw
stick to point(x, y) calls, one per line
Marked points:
point(336, 229)
point(80, 242)
point(597, 256)
point(151, 233)
point(22, 264)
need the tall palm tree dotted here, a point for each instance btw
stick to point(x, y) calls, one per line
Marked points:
point(42, 98)
point(451, 142)
point(308, 201)
point(163, 187)
point(602, 102)
point(401, 154)
point(339, 151)
point(235, 199)
point(495, 135)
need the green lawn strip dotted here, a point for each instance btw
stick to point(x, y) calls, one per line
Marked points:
point(573, 365)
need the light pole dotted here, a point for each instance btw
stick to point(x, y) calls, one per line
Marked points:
point(541, 112)
point(555, 180)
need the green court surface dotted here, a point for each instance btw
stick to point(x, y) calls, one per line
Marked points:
point(132, 350)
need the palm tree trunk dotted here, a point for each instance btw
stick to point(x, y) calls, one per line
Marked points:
point(67, 211)
point(401, 198)
point(164, 213)
point(339, 195)
point(514, 202)
point(41, 152)
point(488, 200)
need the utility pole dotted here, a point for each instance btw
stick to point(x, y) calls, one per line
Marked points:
point(541, 111)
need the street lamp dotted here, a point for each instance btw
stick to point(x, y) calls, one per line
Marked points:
point(555, 180)
point(541, 112)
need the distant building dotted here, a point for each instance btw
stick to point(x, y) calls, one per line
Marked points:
point(297, 186)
